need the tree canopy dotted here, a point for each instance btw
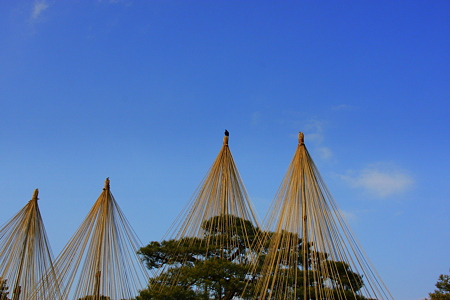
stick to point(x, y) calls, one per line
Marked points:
point(92, 297)
point(191, 269)
point(443, 288)
point(4, 289)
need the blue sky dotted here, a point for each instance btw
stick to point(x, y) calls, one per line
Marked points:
point(141, 92)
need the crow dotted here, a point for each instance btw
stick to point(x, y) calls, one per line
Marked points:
point(227, 133)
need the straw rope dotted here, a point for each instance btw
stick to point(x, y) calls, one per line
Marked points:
point(214, 218)
point(313, 254)
point(25, 253)
point(100, 261)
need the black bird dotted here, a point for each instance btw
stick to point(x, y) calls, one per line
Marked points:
point(227, 133)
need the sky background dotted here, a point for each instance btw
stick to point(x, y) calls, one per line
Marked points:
point(141, 92)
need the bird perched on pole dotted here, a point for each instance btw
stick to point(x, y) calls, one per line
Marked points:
point(227, 133)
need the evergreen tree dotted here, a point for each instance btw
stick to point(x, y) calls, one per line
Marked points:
point(3, 289)
point(193, 270)
point(443, 288)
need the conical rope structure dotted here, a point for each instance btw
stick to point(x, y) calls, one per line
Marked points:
point(25, 253)
point(100, 262)
point(217, 226)
point(221, 193)
point(312, 252)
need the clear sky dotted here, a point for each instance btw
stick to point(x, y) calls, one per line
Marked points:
point(141, 92)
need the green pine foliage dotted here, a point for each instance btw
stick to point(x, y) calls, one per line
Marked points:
point(3, 289)
point(443, 288)
point(192, 270)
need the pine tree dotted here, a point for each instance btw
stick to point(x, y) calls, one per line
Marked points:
point(3, 289)
point(443, 288)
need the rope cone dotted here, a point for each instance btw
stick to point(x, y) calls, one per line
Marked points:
point(312, 254)
point(25, 253)
point(218, 222)
point(100, 260)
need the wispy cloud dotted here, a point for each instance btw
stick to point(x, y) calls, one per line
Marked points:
point(381, 180)
point(349, 216)
point(325, 153)
point(256, 118)
point(314, 133)
point(38, 8)
point(126, 2)
point(343, 107)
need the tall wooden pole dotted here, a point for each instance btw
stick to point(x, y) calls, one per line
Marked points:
point(301, 143)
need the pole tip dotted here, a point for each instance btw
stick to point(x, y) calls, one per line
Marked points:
point(225, 138)
point(106, 184)
point(35, 194)
point(301, 138)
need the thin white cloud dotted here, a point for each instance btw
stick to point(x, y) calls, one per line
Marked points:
point(314, 134)
point(316, 137)
point(314, 131)
point(38, 8)
point(381, 180)
point(325, 153)
point(126, 2)
point(256, 118)
point(342, 107)
point(349, 216)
